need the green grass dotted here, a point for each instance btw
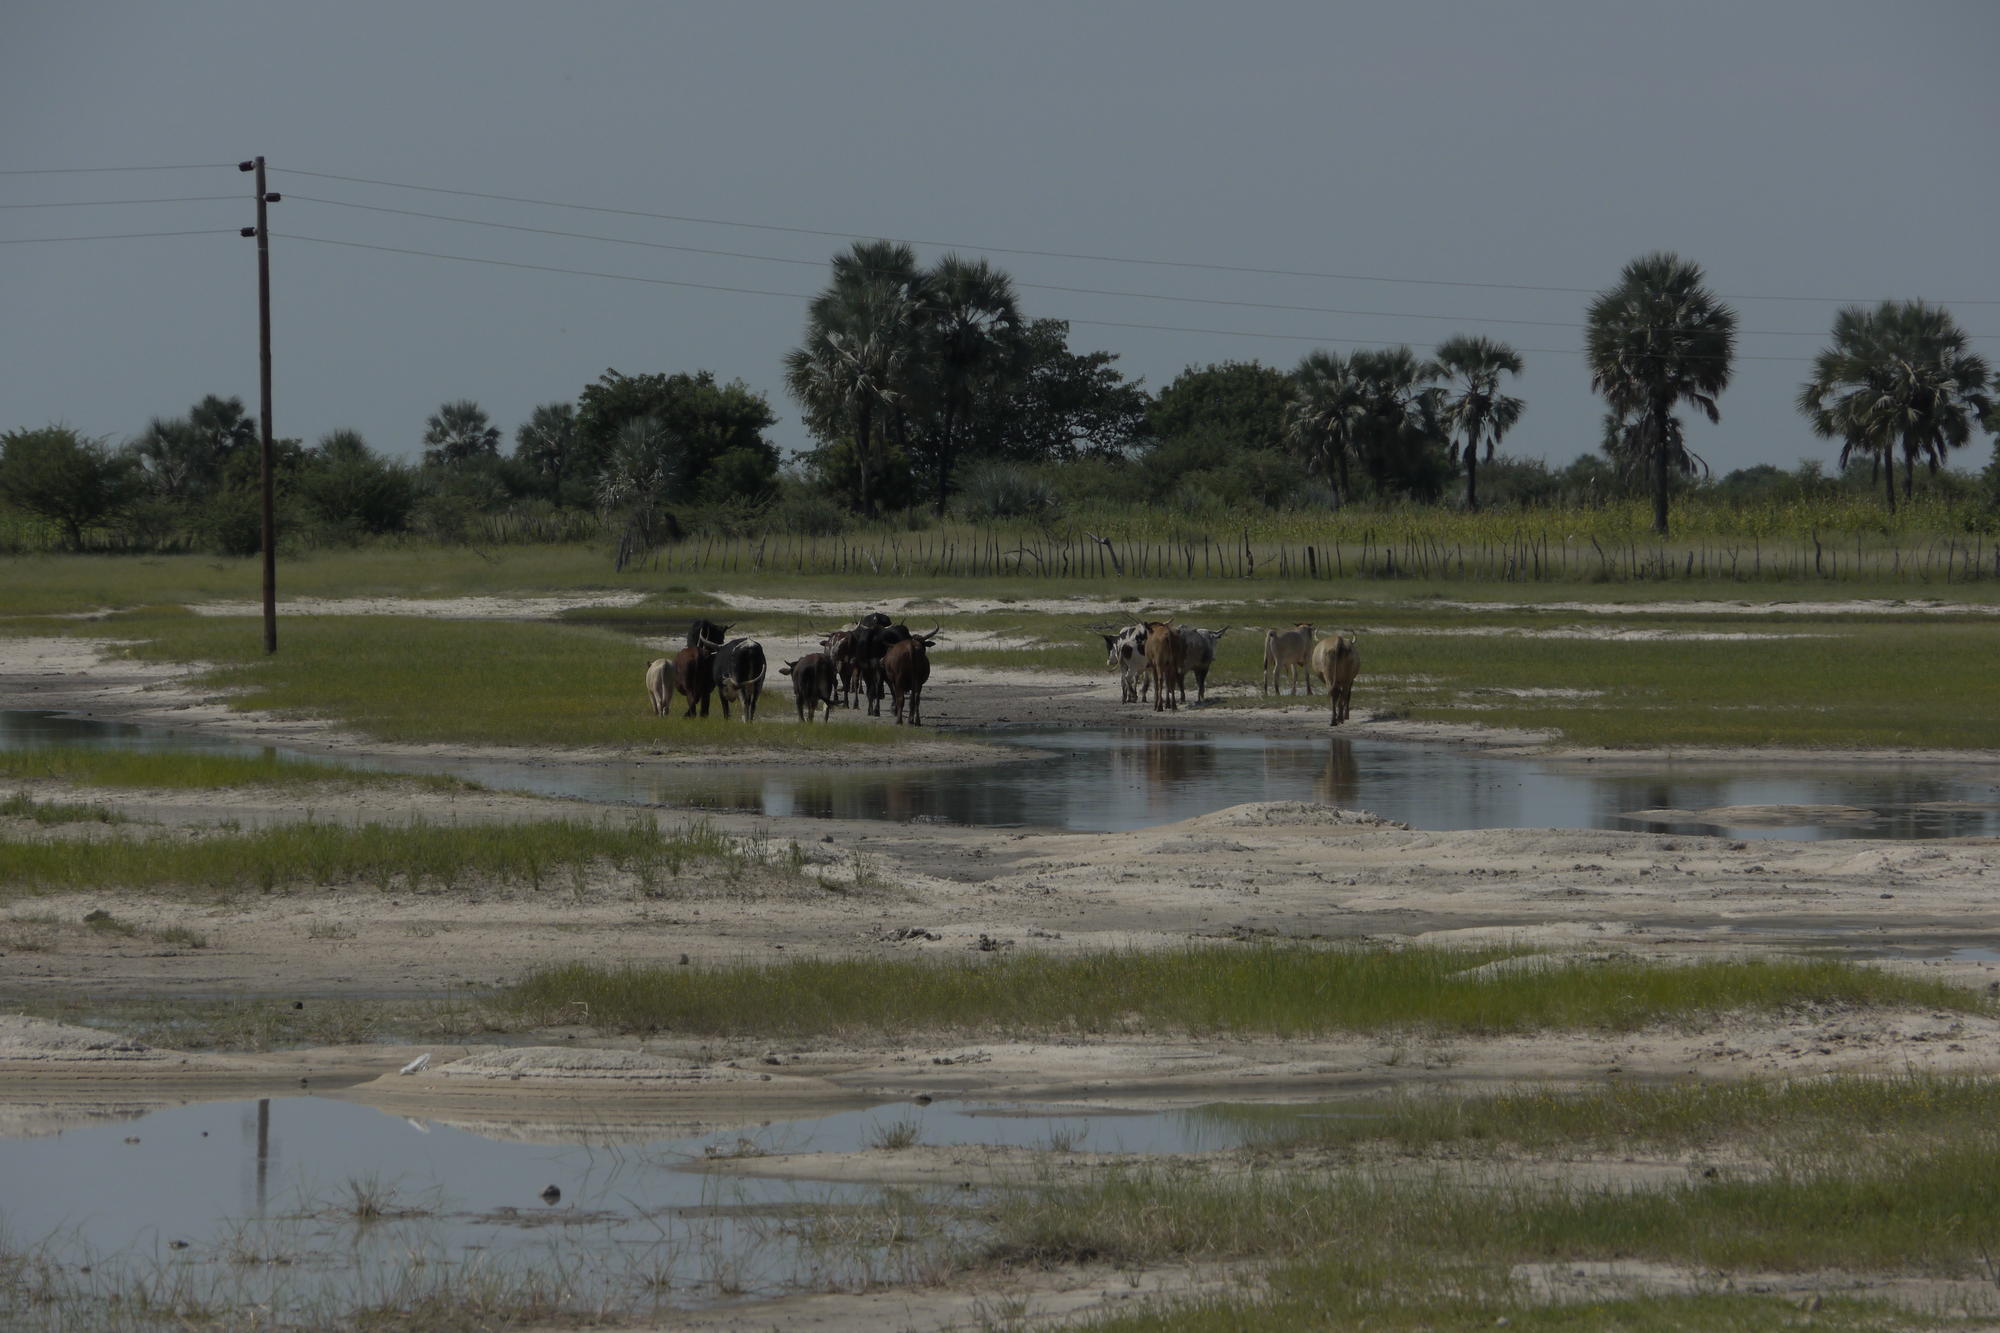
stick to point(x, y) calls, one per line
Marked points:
point(409, 680)
point(545, 853)
point(1280, 991)
point(23, 806)
point(193, 770)
point(1933, 1211)
point(1810, 679)
point(1627, 1117)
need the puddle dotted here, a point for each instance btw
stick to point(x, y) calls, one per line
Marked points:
point(262, 1202)
point(1108, 780)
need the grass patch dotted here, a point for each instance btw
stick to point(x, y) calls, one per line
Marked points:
point(1275, 990)
point(416, 681)
point(1431, 1242)
point(1778, 1116)
point(23, 806)
point(192, 770)
point(546, 853)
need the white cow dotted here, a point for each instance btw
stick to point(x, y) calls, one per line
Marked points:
point(1125, 653)
point(1286, 653)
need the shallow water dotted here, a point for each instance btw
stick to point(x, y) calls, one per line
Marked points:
point(261, 1197)
point(1107, 780)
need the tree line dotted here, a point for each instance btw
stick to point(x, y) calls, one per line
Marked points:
point(927, 388)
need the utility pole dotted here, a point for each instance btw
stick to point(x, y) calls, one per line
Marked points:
point(262, 231)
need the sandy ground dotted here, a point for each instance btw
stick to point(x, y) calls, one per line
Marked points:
point(1275, 870)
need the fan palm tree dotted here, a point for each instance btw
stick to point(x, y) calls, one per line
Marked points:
point(547, 443)
point(457, 432)
point(1473, 407)
point(1898, 376)
point(1398, 419)
point(853, 373)
point(1322, 416)
point(1657, 339)
point(975, 342)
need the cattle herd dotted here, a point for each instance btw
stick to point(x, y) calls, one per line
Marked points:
point(876, 658)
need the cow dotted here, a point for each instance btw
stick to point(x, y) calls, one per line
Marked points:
point(660, 684)
point(1198, 655)
point(1125, 653)
point(1284, 652)
point(739, 675)
point(870, 643)
point(694, 676)
point(1164, 662)
point(1336, 661)
point(708, 632)
point(813, 684)
point(851, 650)
point(905, 667)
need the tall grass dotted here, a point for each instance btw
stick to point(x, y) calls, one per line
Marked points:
point(309, 852)
point(1281, 991)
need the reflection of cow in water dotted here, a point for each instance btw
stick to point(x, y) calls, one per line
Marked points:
point(1339, 783)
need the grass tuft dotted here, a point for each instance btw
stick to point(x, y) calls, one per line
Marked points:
point(1277, 990)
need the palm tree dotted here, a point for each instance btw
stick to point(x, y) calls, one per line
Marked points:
point(975, 342)
point(1322, 415)
point(1656, 340)
point(546, 444)
point(853, 373)
point(1473, 407)
point(1901, 375)
point(458, 432)
point(1398, 420)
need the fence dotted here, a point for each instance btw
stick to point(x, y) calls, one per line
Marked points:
point(1526, 558)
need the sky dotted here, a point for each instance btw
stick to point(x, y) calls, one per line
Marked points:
point(1187, 183)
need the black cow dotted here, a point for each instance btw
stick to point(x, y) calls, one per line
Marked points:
point(739, 675)
point(813, 684)
point(708, 632)
point(870, 644)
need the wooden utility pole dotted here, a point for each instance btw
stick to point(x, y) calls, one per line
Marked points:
point(262, 231)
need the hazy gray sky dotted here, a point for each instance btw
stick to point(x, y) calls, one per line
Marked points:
point(1802, 153)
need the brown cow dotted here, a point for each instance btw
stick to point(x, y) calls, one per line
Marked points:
point(905, 668)
point(1165, 662)
point(814, 682)
point(694, 676)
point(1286, 652)
point(1336, 661)
point(660, 684)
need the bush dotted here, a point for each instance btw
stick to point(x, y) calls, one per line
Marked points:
point(1003, 490)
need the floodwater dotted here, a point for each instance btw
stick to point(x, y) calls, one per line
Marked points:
point(1106, 780)
point(263, 1202)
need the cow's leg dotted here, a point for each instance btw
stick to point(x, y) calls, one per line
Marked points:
point(916, 705)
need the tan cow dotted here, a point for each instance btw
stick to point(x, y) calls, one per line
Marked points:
point(1336, 661)
point(660, 684)
point(1287, 651)
point(1165, 663)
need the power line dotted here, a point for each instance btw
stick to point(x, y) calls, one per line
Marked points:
point(115, 236)
point(805, 297)
point(78, 171)
point(1045, 254)
point(98, 203)
point(1026, 286)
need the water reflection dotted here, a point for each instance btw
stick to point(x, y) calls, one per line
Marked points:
point(1112, 779)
